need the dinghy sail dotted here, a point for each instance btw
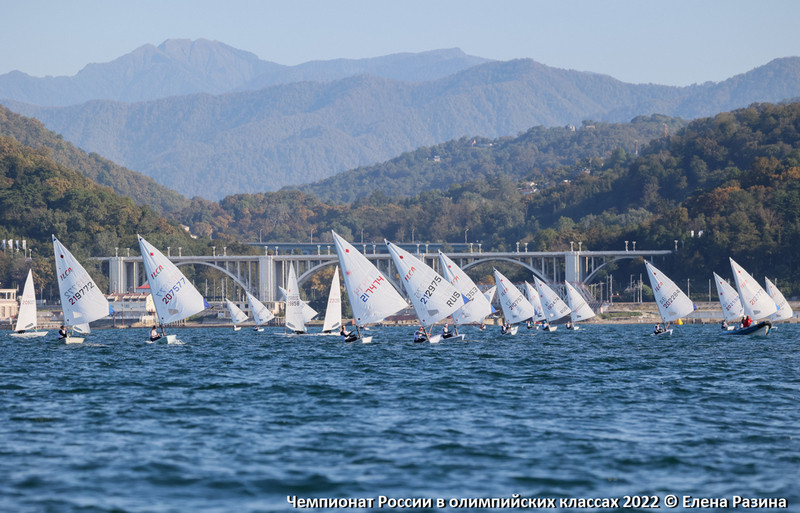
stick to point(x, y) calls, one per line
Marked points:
point(784, 309)
point(237, 315)
point(261, 313)
point(333, 313)
point(732, 309)
point(516, 308)
point(477, 307)
point(580, 309)
point(81, 299)
point(433, 297)
point(672, 302)
point(26, 326)
point(372, 297)
point(536, 302)
point(295, 311)
point(174, 295)
point(554, 307)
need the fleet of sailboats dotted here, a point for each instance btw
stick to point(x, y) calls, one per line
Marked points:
point(435, 297)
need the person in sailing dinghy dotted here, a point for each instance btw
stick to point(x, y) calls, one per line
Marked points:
point(62, 332)
point(724, 324)
point(420, 335)
point(446, 331)
point(347, 336)
point(154, 334)
point(746, 321)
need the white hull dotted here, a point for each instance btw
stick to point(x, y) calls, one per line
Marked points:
point(454, 338)
point(667, 332)
point(237, 328)
point(366, 340)
point(173, 339)
point(73, 340)
point(550, 328)
point(29, 334)
point(258, 329)
point(511, 331)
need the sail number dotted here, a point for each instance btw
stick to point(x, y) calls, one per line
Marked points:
point(173, 291)
point(79, 294)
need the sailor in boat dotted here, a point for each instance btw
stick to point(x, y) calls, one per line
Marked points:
point(347, 336)
point(482, 327)
point(504, 329)
point(446, 333)
point(725, 324)
point(62, 332)
point(546, 326)
point(420, 335)
point(746, 321)
point(529, 324)
point(657, 329)
point(569, 325)
point(154, 334)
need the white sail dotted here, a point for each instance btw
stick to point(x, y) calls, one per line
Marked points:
point(261, 313)
point(295, 320)
point(732, 308)
point(308, 312)
point(755, 300)
point(174, 295)
point(784, 310)
point(580, 308)
point(26, 317)
point(535, 301)
point(237, 315)
point(81, 299)
point(554, 307)
point(371, 296)
point(489, 294)
point(432, 297)
point(672, 302)
point(333, 313)
point(477, 307)
point(516, 308)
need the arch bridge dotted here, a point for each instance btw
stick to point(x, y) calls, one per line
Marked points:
point(261, 275)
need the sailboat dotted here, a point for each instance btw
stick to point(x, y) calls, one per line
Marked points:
point(536, 302)
point(672, 302)
point(296, 315)
point(433, 298)
point(784, 310)
point(26, 317)
point(580, 309)
point(237, 315)
point(174, 296)
point(553, 306)
point(732, 309)
point(755, 300)
point(371, 296)
point(261, 313)
point(478, 307)
point(516, 308)
point(308, 312)
point(333, 313)
point(81, 299)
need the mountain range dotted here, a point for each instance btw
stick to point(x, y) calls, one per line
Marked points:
point(228, 138)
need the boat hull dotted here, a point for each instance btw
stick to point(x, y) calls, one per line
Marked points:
point(660, 333)
point(28, 335)
point(761, 329)
point(73, 340)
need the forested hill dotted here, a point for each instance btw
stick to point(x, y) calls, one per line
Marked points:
point(734, 177)
point(40, 198)
point(531, 156)
point(142, 189)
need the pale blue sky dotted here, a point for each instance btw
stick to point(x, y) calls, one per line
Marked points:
point(674, 42)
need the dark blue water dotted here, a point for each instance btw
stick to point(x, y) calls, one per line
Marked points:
point(236, 422)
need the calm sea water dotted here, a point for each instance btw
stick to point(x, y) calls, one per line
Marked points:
point(236, 422)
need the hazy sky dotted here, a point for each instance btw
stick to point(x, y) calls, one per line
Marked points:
point(674, 42)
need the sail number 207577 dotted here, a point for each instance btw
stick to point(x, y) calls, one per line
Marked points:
point(174, 290)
